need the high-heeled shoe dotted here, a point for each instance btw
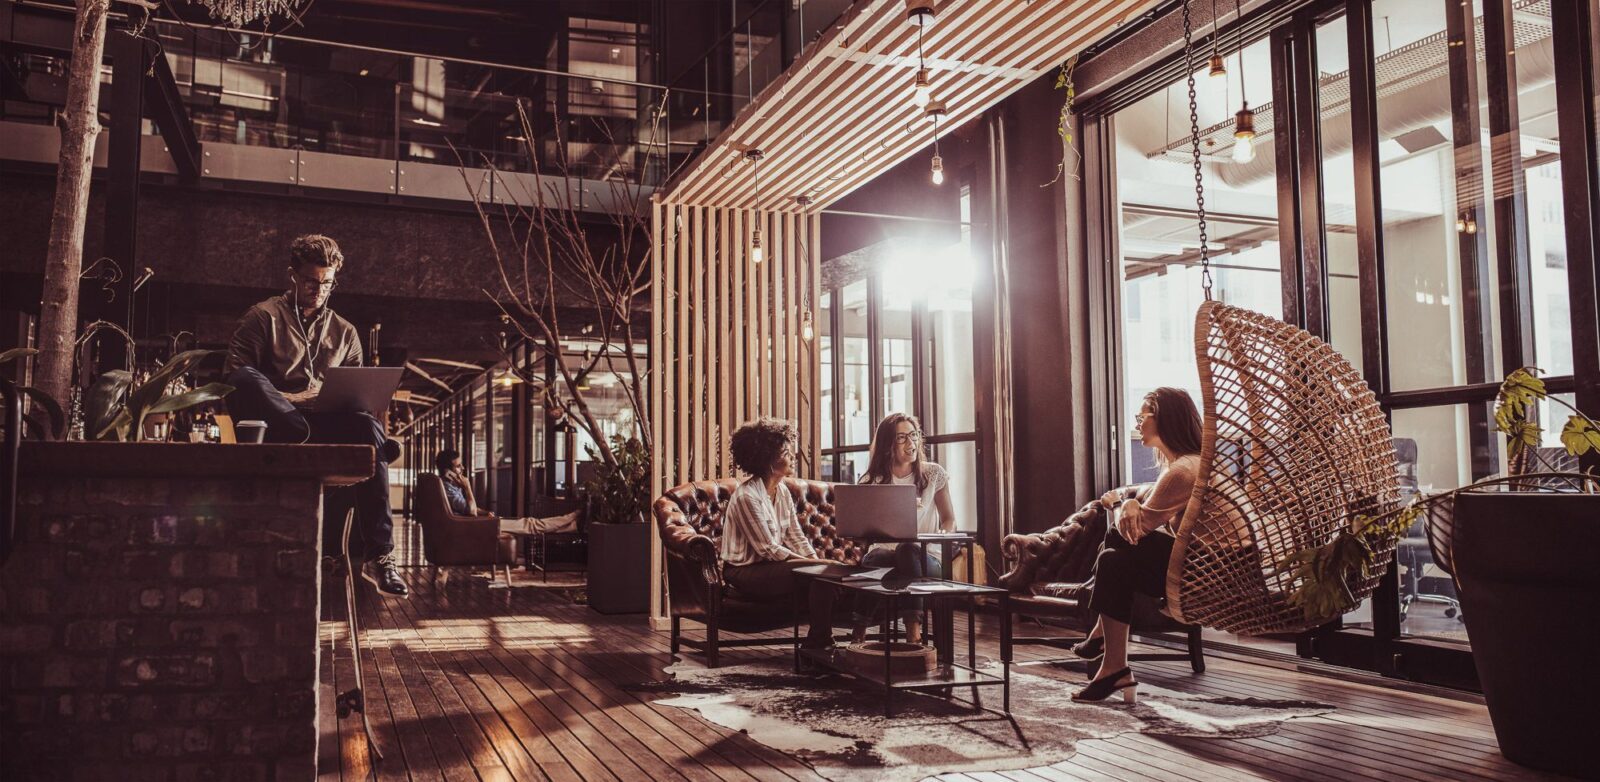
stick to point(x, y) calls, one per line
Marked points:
point(1106, 686)
point(1090, 648)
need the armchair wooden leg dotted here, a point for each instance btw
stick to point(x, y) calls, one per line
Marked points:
point(676, 629)
point(711, 642)
point(1197, 658)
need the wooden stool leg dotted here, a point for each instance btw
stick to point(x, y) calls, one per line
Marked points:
point(354, 699)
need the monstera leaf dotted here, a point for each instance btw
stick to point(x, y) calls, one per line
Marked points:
point(209, 392)
point(1580, 436)
point(154, 388)
point(115, 408)
point(106, 403)
point(47, 403)
point(51, 408)
point(16, 353)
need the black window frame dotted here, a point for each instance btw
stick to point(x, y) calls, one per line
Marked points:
point(1291, 29)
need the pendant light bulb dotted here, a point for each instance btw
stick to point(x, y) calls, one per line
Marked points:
point(757, 255)
point(807, 331)
point(1217, 78)
point(1219, 70)
point(922, 90)
point(1244, 135)
point(938, 169)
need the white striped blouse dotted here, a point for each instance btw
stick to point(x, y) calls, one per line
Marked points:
point(755, 529)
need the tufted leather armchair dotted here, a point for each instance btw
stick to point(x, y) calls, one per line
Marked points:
point(690, 521)
point(1046, 575)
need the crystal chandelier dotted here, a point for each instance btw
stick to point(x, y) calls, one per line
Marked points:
point(239, 13)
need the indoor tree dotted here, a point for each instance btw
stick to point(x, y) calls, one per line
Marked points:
point(80, 125)
point(549, 262)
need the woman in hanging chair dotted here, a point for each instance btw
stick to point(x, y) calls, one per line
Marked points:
point(1139, 538)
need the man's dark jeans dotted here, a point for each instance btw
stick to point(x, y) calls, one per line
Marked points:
point(372, 533)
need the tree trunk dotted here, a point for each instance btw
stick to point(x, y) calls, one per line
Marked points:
point(80, 124)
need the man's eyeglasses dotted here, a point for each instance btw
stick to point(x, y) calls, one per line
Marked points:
point(901, 438)
point(320, 284)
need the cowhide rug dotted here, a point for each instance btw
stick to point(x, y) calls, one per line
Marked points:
point(836, 725)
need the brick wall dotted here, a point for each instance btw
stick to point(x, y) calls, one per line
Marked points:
point(159, 629)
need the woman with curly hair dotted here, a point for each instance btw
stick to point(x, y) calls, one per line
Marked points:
point(762, 542)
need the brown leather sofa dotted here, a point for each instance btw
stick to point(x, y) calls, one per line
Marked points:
point(690, 520)
point(449, 540)
point(1046, 574)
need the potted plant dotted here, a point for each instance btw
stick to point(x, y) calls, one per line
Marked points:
point(619, 539)
point(1524, 550)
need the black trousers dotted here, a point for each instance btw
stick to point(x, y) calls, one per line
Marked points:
point(776, 581)
point(372, 534)
point(1123, 569)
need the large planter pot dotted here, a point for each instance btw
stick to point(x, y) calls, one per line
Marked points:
point(1527, 565)
point(158, 614)
point(619, 568)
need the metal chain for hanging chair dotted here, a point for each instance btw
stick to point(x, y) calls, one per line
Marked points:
point(1293, 448)
point(1194, 141)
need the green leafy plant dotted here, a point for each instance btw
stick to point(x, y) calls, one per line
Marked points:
point(116, 405)
point(51, 408)
point(620, 493)
point(1324, 573)
point(1064, 120)
point(1514, 416)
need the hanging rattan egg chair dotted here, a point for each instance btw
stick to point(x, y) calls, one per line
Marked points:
point(1294, 448)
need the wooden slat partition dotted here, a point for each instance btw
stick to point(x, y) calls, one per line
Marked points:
point(725, 339)
point(837, 117)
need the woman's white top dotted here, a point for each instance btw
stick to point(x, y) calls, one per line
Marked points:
point(927, 509)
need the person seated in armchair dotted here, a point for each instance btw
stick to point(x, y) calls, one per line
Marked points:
point(762, 543)
point(1140, 538)
point(896, 458)
point(457, 487)
point(458, 493)
point(277, 358)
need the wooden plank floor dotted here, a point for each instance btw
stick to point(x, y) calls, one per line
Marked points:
point(470, 683)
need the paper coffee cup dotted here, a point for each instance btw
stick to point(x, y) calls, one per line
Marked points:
point(250, 431)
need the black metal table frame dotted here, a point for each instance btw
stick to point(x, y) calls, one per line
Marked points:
point(946, 542)
point(540, 541)
point(945, 653)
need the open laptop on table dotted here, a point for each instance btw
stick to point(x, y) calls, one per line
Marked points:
point(875, 511)
point(358, 389)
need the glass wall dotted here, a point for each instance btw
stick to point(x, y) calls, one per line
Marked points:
point(855, 412)
point(551, 457)
point(904, 307)
point(830, 400)
point(1460, 218)
point(1161, 286)
point(1338, 197)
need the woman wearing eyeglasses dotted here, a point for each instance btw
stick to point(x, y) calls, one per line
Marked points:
point(896, 457)
point(1139, 538)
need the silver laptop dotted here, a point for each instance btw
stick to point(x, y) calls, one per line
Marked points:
point(875, 511)
point(358, 389)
